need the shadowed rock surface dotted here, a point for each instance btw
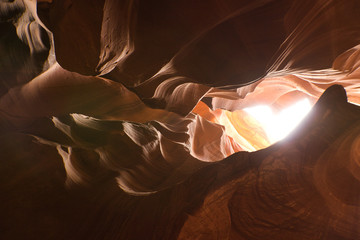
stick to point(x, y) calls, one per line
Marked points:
point(105, 134)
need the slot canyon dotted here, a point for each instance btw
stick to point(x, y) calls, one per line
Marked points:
point(144, 119)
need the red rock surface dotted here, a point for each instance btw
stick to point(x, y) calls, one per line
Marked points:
point(105, 134)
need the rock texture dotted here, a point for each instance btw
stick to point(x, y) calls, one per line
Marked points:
point(109, 119)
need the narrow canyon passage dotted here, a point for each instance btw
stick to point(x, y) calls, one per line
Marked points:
point(136, 119)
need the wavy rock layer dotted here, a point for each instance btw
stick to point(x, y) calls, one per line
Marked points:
point(304, 187)
point(125, 149)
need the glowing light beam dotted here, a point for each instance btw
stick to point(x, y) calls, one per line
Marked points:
point(278, 126)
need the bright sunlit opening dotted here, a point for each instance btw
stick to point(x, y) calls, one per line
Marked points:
point(278, 125)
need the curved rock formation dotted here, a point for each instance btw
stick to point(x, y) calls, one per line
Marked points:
point(115, 118)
